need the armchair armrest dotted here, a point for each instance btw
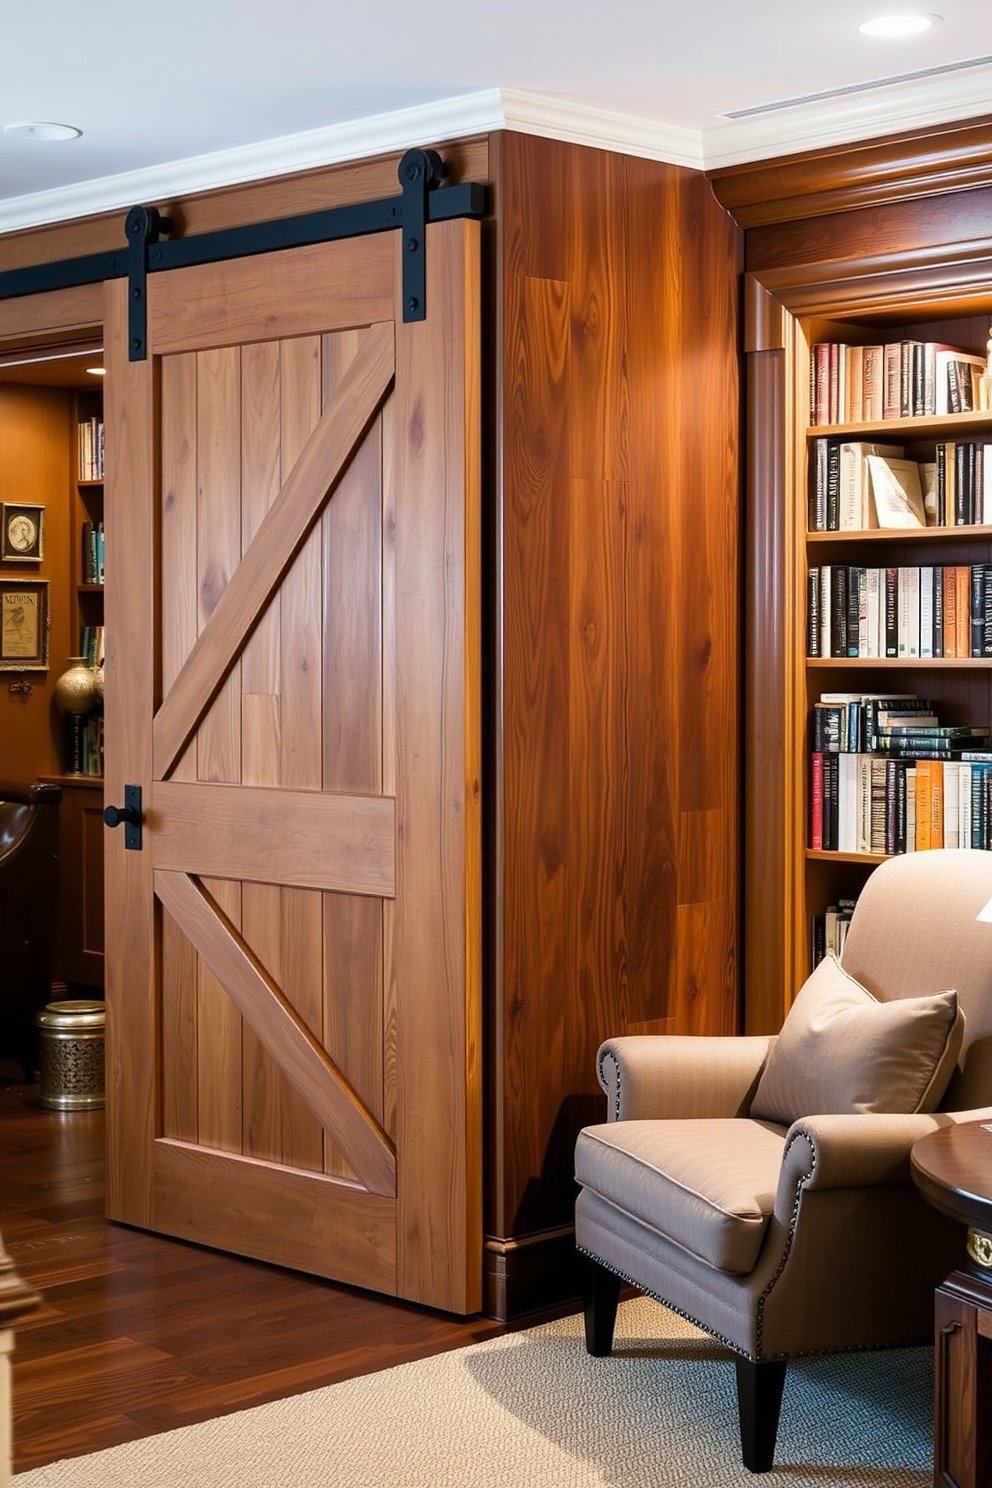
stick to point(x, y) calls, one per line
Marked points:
point(655, 1077)
point(826, 1152)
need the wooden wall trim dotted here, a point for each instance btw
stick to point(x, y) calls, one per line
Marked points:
point(899, 167)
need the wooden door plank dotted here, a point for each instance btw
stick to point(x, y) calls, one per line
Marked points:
point(279, 537)
point(433, 471)
point(301, 839)
point(304, 972)
point(261, 725)
point(291, 1044)
point(132, 1075)
point(326, 287)
point(178, 599)
point(218, 547)
point(321, 1225)
point(219, 1068)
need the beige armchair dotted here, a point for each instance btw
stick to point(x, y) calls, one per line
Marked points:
point(784, 1232)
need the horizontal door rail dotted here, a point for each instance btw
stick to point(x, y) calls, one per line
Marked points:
point(423, 200)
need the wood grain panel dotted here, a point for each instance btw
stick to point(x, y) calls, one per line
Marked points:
point(536, 723)
point(178, 530)
point(304, 975)
point(436, 486)
point(301, 591)
point(329, 285)
point(239, 603)
point(300, 606)
point(355, 1232)
point(179, 602)
point(261, 726)
point(260, 485)
point(180, 1034)
point(218, 555)
point(352, 533)
point(616, 648)
point(203, 919)
point(306, 839)
point(261, 1080)
point(132, 1079)
point(220, 1028)
point(55, 316)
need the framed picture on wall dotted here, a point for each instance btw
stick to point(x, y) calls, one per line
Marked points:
point(24, 625)
point(22, 529)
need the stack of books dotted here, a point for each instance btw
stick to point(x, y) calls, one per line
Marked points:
point(886, 776)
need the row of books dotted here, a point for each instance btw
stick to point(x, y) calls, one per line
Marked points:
point(90, 449)
point(91, 745)
point(830, 929)
point(907, 378)
point(859, 485)
point(929, 611)
point(92, 553)
point(873, 803)
point(91, 644)
point(852, 723)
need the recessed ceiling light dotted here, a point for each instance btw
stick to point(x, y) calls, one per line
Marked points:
point(42, 131)
point(97, 371)
point(897, 25)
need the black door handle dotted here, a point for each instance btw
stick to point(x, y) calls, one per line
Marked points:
point(130, 815)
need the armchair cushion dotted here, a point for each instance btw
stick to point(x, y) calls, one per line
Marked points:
point(841, 1051)
point(708, 1185)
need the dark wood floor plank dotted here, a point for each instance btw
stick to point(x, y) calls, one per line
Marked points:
point(139, 1333)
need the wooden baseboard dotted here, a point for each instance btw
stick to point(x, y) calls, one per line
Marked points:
point(529, 1274)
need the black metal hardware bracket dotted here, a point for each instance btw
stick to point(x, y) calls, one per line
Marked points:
point(424, 200)
point(130, 815)
point(142, 227)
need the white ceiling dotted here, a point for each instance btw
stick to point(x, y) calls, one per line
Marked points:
point(200, 93)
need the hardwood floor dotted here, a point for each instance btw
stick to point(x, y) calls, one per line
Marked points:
point(138, 1334)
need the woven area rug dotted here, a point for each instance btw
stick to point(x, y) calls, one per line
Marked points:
point(533, 1410)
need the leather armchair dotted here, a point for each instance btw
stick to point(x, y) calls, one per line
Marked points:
point(800, 1239)
point(29, 857)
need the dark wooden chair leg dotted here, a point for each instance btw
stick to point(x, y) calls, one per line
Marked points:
point(600, 1295)
point(759, 1399)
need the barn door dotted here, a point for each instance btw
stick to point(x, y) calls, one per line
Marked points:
point(292, 609)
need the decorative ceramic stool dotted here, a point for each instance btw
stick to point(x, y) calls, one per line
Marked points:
point(72, 1040)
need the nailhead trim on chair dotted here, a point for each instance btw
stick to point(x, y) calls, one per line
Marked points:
point(791, 1231)
point(616, 1083)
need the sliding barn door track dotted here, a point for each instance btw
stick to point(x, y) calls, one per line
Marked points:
point(423, 200)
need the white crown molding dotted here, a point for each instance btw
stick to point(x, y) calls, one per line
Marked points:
point(556, 118)
point(893, 108)
point(403, 129)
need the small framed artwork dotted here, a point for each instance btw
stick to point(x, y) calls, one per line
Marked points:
point(24, 625)
point(22, 529)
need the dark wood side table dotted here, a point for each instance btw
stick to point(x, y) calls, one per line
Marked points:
point(953, 1170)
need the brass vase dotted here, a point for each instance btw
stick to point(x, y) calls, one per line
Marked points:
point(75, 694)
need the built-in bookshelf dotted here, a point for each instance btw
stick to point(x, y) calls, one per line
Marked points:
point(894, 608)
point(88, 562)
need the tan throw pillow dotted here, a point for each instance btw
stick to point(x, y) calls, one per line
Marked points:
point(841, 1051)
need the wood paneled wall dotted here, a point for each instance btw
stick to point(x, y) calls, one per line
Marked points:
point(35, 430)
point(614, 843)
